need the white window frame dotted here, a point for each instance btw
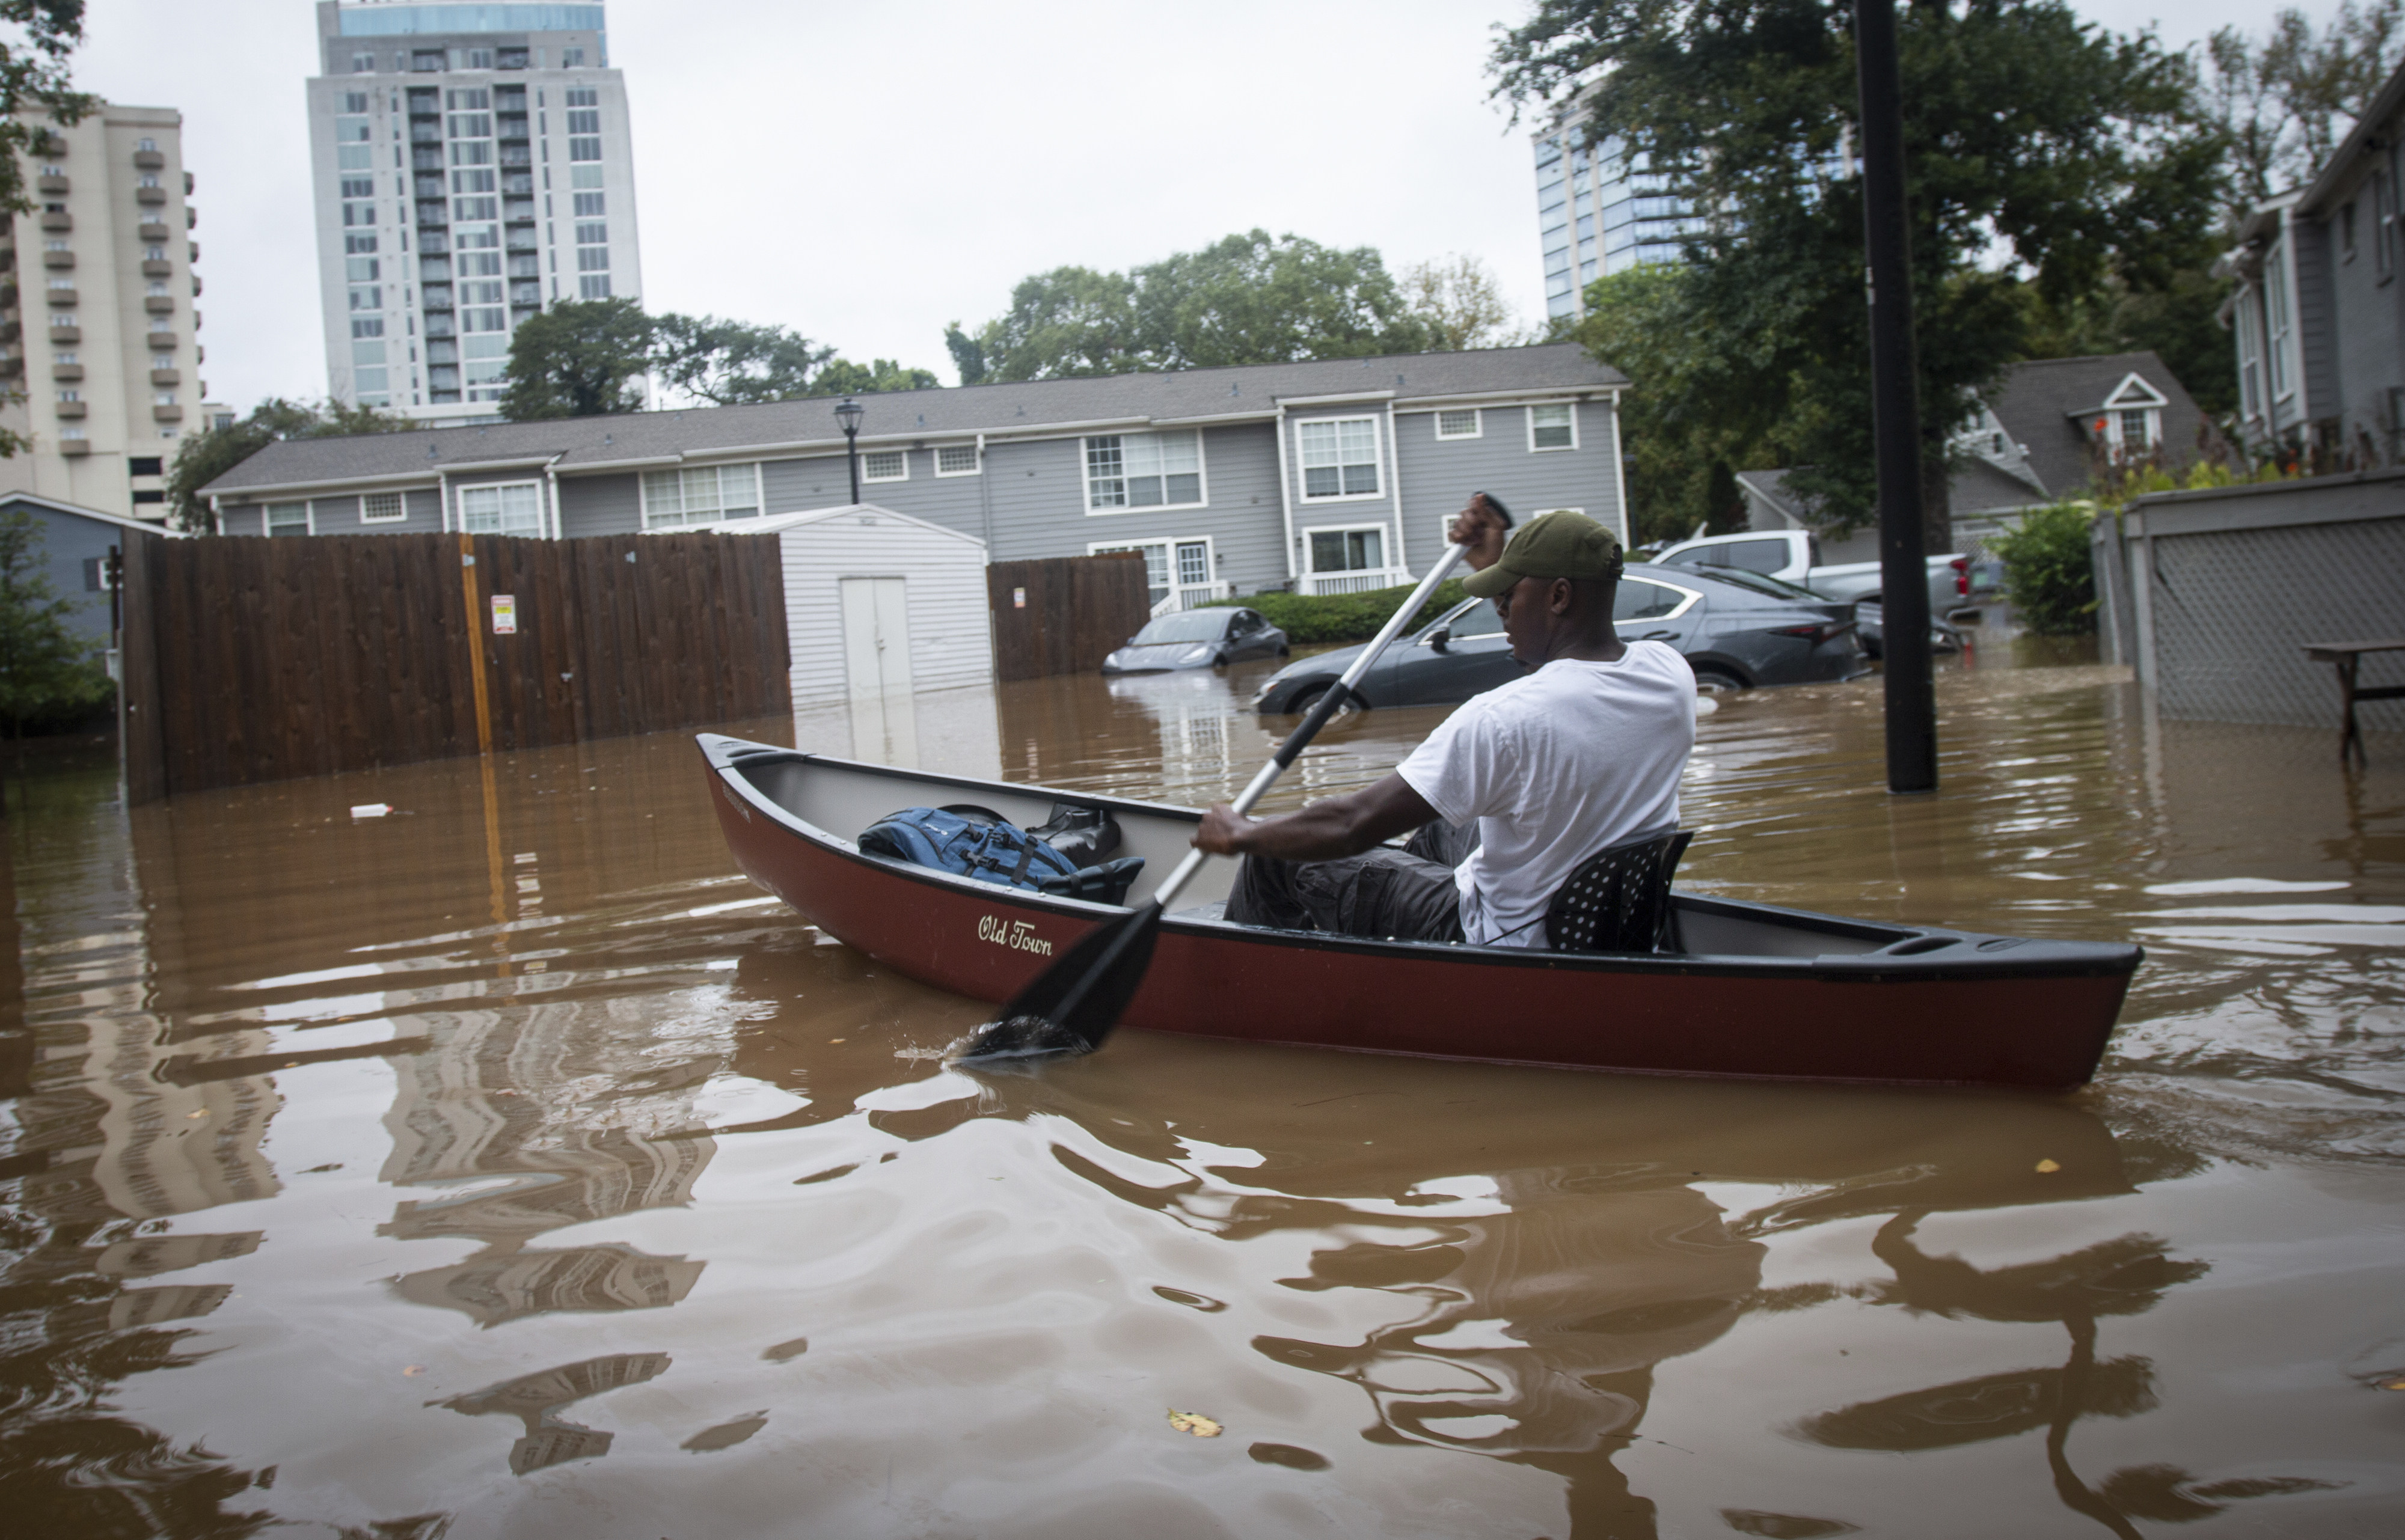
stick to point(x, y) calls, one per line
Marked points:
point(308, 516)
point(2279, 322)
point(1169, 544)
point(867, 475)
point(977, 460)
point(1530, 412)
point(2248, 319)
point(1390, 570)
point(497, 488)
point(1086, 473)
point(643, 494)
point(399, 508)
point(1378, 462)
point(1477, 424)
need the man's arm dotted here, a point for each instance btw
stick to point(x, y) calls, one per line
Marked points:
point(1326, 829)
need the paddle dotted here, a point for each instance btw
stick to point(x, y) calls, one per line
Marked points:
point(1075, 1002)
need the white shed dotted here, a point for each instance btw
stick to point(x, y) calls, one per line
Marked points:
point(878, 604)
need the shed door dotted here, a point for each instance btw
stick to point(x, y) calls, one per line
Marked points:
point(877, 668)
point(875, 635)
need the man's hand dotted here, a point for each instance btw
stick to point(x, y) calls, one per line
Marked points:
point(1483, 530)
point(1222, 828)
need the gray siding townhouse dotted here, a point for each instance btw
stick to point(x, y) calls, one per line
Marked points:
point(1328, 477)
point(2318, 316)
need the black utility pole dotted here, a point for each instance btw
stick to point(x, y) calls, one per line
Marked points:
point(847, 416)
point(1895, 413)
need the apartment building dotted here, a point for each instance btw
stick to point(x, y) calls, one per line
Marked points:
point(473, 164)
point(1333, 476)
point(99, 328)
point(1600, 211)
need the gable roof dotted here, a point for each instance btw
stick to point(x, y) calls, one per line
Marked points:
point(1185, 398)
point(778, 523)
point(150, 527)
point(2042, 404)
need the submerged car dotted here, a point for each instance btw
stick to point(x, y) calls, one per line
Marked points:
point(1198, 639)
point(1734, 633)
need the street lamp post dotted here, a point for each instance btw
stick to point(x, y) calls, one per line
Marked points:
point(848, 413)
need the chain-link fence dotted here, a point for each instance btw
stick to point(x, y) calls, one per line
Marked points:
point(2215, 596)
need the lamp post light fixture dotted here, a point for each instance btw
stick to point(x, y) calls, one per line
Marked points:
point(848, 413)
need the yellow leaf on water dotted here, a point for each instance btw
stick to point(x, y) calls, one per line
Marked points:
point(413, 1371)
point(2394, 1383)
point(1193, 1423)
point(2047, 1168)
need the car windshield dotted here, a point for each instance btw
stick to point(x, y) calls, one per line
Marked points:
point(1762, 582)
point(1187, 626)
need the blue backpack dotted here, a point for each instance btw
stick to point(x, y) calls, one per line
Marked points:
point(970, 842)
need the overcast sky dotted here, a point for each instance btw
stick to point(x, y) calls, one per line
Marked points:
point(866, 172)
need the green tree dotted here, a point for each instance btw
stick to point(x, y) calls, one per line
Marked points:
point(2048, 573)
point(1248, 299)
point(2283, 102)
point(580, 358)
point(1682, 456)
point(967, 356)
point(203, 456)
point(2180, 321)
point(733, 363)
point(1457, 299)
point(2033, 137)
point(45, 666)
point(841, 377)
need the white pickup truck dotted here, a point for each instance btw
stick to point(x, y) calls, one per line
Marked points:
point(1794, 555)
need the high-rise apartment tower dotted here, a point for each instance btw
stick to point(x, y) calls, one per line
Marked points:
point(1600, 211)
point(97, 316)
point(473, 165)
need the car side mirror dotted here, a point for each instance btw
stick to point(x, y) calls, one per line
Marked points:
point(1439, 638)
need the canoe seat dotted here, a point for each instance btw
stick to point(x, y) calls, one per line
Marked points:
point(1618, 899)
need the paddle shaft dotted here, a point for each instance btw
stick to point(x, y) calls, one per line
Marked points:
point(1328, 704)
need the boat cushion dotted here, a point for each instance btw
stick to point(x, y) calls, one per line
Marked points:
point(987, 848)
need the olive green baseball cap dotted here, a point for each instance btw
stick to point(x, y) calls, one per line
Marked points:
point(1552, 545)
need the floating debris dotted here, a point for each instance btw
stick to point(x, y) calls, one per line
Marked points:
point(1193, 1423)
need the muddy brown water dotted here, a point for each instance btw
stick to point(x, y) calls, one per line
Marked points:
point(504, 1167)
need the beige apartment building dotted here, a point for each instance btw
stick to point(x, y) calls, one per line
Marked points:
point(100, 351)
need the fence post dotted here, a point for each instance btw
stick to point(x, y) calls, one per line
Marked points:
point(476, 644)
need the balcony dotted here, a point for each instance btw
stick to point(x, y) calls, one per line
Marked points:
point(517, 156)
point(192, 217)
point(425, 133)
point(8, 294)
point(63, 296)
point(438, 326)
point(521, 239)
point(50, 183)
point(10, 331)
point(433, 214)
point(526, 296)
point(159, 304)
point(518, 185)
point(150, 159)
point(166, 376)
point(429, 186)
point(518, 213)
point(156, 230)
point(193, 253)
point(76, 445)
point(166, 413)
point(57, 258)
point(1192, 595)
point(155, 267)
point(12, 368)
point(66, 371)
point(426, 159)
point(511, 125)
point(57, 218)
point(436, 299)
point(72, 409)
point(149, 195)
point(66, 335)
point(49, 145)
point(196, 286)
point(433, 242)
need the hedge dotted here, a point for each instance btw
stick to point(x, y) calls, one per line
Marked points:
point(1345, 617)
point(2048, 573)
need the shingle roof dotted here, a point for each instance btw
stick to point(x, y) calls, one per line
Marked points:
point(593, 443)
point(2038, 404)
point(1979, 486)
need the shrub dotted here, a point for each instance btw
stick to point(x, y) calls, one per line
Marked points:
point(46, 670)
point(2048, 575)
point(1345, 617)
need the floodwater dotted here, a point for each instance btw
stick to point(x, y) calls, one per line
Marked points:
point(506, 1166)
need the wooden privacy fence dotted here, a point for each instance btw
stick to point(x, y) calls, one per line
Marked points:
point(251, 659)
point(1065, 615)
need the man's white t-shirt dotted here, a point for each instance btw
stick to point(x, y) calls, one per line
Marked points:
point(1555, 766)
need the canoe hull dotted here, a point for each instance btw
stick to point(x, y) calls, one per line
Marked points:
point(2032, 1014)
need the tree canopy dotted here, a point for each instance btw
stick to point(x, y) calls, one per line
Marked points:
point(2038, 149)
point(203, 456)
point(586, 358)
point(1248, 299)
point(580, 358)
point(2283, 102)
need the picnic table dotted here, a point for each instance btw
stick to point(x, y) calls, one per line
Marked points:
point(2348, 657)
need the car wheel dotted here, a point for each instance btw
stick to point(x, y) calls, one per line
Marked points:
point(1309, 701)
point(1286, 652)
point(1717, 681)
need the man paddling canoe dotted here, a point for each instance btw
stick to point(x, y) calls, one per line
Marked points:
point(1515, 789)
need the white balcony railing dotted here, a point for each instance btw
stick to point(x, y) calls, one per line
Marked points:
point(1355, 582)
point(1190, 595)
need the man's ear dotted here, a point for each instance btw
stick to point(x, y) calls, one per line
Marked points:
point(1562, 597)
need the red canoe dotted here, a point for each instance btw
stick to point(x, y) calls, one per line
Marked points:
point(1760, 991)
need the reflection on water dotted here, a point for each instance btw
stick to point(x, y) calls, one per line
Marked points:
point(325, 1139)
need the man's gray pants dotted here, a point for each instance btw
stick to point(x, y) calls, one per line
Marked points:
point(1404, 895)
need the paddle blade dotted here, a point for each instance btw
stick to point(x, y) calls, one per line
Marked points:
point(1072, 1006)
